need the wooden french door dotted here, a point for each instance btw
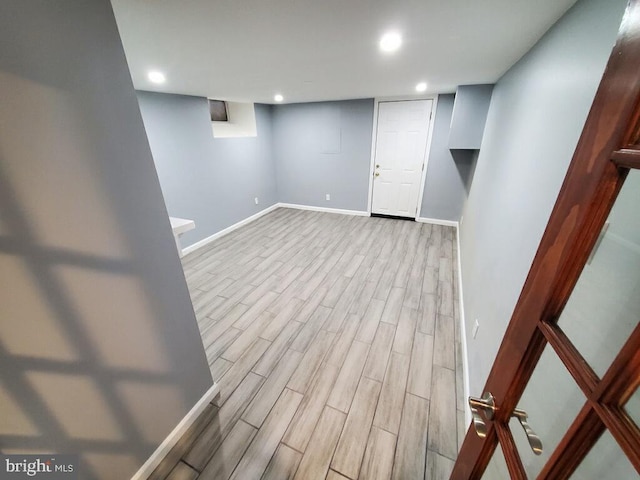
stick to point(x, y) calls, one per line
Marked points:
point(572, 347)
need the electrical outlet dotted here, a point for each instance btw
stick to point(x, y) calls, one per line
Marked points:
point(256, 200)
point(328, 197)
point(476, 326)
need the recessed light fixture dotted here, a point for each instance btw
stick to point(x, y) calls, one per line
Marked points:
point(278, 97)
point(421, 87)
point(156, 77)
point(390, 42)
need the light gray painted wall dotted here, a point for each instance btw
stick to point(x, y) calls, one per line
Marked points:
point(315, 148)
point(101, 353)
point(469, 116)
point(210, 180)
point(449, 173)
point(324, 148)
point(536, 116)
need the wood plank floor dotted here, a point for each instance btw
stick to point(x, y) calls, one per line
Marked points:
point(335, 341)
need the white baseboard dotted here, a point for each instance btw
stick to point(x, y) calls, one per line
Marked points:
point(463, 334)
point(221, 233)
point(436, 221)
point(156, 457)
point(359, 213)
point(198, 245)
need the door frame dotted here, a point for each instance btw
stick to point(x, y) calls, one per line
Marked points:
point(374, 134)
point(608, 148)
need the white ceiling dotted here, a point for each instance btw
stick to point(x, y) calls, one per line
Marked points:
point(312, 50)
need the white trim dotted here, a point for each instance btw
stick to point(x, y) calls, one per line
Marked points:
point(436, 221)
point(156, 457)
point(221, 233)
point(374, 133)
point(406, 98)
point(358, 213)
point(198, 245)
point(463, 334)
point(427, 154)
point(463, 329)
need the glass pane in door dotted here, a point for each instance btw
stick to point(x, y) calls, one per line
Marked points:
point(605, 460)
point(604, 307)
point(552, 401)
point(632, 407)
point(497, 468)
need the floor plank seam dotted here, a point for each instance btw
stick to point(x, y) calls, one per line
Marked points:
point(342, 265)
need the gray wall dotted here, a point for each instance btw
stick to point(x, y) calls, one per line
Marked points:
point(311, 148)
point(449, 173)
point(210, 180)
point(101, 354)
point(536, 116)
point(324, 148)
point(469, 116)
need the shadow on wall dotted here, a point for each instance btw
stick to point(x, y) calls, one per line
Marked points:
point(98, 337)
point(61, 391)
point(465, 162)
point(94, 350)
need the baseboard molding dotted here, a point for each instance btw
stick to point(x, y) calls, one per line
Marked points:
point(156, 457)
point(206, 241)
point(359, 213)
point(463, 332)
point(437, 221)
point(221, 233)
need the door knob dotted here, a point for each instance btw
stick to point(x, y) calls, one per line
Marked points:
point(377, 174)
point(534, 440)
point(487, 404)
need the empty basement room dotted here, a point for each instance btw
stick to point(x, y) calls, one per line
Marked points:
point(319, 240)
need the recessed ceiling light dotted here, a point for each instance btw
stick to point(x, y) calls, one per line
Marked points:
point(421, 87)
point(278, 98)
point(390, 42)
point(156, 77)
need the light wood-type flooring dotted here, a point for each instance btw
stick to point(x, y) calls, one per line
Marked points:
point(335, 342)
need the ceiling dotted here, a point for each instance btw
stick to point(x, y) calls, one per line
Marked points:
point(314, 50)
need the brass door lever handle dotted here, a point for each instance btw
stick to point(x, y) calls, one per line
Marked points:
point(487, 404)
point(534, 440)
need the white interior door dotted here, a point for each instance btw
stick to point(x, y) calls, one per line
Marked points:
point(401, 142)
